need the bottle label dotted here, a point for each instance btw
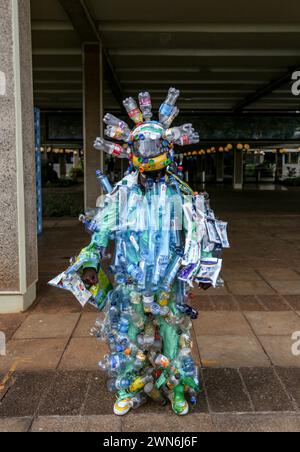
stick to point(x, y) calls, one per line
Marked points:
point(145, 102)
point(166, 109)
point(134, 113)
point(134, 243)
point(117, 150)
point(185, 140)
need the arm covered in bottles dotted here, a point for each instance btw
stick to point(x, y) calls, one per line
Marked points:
point(105, 223)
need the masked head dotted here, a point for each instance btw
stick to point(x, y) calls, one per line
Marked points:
point(150, 145)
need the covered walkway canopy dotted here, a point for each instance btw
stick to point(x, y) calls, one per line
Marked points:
point(225, 56)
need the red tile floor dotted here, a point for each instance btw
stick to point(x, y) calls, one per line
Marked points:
point(243, 340)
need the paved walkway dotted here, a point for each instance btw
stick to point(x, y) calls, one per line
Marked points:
point(243, 338)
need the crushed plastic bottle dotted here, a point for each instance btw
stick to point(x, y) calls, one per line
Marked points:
point(133, 111)
point(146, 105)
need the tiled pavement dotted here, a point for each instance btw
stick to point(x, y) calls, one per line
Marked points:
point(243, 341)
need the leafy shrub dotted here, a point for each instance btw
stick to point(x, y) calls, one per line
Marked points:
point(292, 182)
point(62, 205)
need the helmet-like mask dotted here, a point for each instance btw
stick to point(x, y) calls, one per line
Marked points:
point(150, 145)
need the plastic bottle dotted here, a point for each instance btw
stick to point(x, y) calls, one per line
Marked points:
point(111, 148)
point(175, 133)
point(138, 400)
point(155, 394)
point(149, 334)
point(135, 272)
point(113, 362)
point(140, 382)
point(118, 384)
point(168, 122)
point(163, 299)
point(139, 361)
point(104, 181)
point(112, 120)
point(146, 105)
point(185, 140)
point(180, 172)
point(148, 300)
point(162, 361)
point(156, 310)
point(133, 111)
point(172, 270)
point(135, 298)
point(90, 226)
point(123, 326)
point(117, 133)
point(166, 109)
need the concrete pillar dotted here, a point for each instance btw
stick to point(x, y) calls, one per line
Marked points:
point(62, 165)
point(18, 229)
point(220, 167)
point(76, 159)
point(93, 115)
point(238, 171)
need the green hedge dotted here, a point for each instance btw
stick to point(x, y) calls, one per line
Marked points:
point(292, 182)
point(63, 205)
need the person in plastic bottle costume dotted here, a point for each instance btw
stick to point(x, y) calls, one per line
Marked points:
point(166, 241)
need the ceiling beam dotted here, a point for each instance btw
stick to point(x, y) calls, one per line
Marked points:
point(192, 82)
point(264, 91)
point(51, 25)
point(163, 27)
point(64, 69)
point(198, 70)
point(244, 53)
point(85, 26)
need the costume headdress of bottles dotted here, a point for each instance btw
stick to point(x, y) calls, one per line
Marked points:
point(150, 145)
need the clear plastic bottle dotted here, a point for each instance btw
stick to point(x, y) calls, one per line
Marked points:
point(90, 226)
point(138, 400)
point(149, 335)
point(168, 122)
point(162, 361)
point(175, 133)
point(111, 148)
point(156, 310)
point(166, 109)
point(112, 120)
point(146, 105)
point(117, 133)
point(172, 270)
point(185, 140)
point(123, 326)
point(135, 272)
point(133, 111)
point(113, 362)
point(140, 382)
point(139, 361)
point(155, 394)
point(104, 181)
point(148, 300)
point(119, 384)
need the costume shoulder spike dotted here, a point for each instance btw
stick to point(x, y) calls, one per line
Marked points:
point(150, 144)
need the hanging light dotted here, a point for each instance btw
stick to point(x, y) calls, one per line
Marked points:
point(240, 147)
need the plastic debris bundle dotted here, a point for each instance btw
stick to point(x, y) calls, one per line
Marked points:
point(166, 241)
